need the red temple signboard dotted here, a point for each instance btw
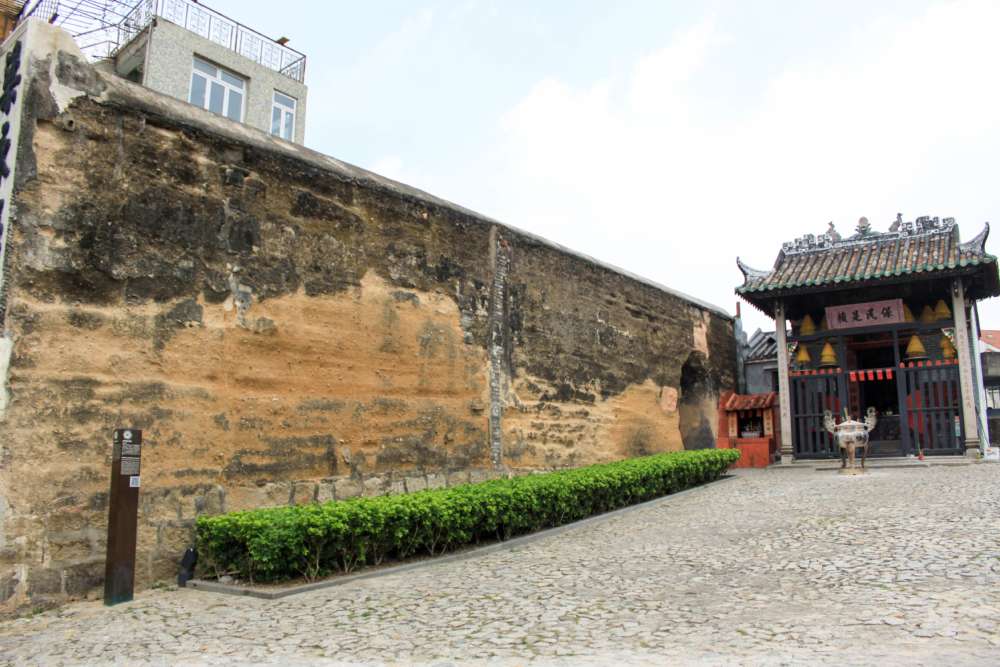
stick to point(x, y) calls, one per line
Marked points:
point(854, 315)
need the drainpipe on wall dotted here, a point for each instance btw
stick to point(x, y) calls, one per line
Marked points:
point(741, 351)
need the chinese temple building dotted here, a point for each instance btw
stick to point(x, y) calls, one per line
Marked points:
point(879, 319)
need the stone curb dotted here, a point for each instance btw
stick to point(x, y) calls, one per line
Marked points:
point(902, 465)
point(277, 593)
point(881, 464)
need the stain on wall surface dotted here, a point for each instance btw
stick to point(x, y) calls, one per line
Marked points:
point(287, 329)
point(698, 401)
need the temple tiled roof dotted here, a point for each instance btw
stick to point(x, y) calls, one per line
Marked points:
point(924, 246)
point(763, 346)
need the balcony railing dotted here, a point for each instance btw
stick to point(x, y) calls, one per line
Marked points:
point(102, 27)
point(217, 28)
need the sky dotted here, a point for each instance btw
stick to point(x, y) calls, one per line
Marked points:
point(666, 138)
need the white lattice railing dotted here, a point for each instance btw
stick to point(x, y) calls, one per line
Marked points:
point(217, 28)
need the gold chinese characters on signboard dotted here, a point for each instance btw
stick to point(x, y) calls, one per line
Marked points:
point(873, 313)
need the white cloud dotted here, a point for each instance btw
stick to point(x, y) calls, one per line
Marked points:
point(658, 79)
point(394, 46)
point(643, 171)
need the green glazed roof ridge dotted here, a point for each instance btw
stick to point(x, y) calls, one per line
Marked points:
point(768, 287)
point(906, 252)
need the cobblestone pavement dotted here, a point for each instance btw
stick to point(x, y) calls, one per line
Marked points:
point(901, 566)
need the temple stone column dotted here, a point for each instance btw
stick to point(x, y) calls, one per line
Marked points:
point(784, 392)
point(969, 421)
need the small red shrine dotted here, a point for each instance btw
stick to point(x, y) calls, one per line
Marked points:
point(747, 424)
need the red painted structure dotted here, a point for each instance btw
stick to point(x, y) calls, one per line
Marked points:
point(747, 422)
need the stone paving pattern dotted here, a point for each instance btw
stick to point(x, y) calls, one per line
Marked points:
point(900, 566)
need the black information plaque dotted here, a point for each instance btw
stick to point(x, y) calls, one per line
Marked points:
point(123, 506)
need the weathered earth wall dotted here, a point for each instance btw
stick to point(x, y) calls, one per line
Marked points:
point(286, 328)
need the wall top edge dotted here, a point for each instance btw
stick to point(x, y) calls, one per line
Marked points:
point(43, 40)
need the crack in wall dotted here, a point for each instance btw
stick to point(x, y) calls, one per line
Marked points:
point(498, 342)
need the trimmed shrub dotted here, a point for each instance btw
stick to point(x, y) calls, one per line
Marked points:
point(316, 540)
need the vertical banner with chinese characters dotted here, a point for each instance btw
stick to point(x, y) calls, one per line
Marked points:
point(10, 123)
point(869, 314)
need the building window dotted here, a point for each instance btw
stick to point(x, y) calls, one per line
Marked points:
point(283, 116)
point(217, 90)
point(993, 397)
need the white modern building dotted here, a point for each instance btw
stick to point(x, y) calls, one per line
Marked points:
point(186, 50)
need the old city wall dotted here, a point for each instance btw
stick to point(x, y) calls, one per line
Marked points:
point(286, 328)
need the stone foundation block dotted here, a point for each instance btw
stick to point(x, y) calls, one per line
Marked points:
point(9, 584)
point(458, 478)
point(325, 491)
point(83, 577)
point(164, 566)
point(70, 547)
point(278, 493)
point(69, 520)
point(480, 475)
point(160, 505)
point(347, 488)
point(374, 486)
point(246, 498)
point(175, 537)
point(303, 493)
point(44, 581)
point(212, 501)
point(415, 483)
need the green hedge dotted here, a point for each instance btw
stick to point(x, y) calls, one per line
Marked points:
point(316, 540)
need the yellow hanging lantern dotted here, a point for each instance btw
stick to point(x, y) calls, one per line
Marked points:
point(802, 356)
point(927, 315)
point(915, 348)
point(828, 357)
point(947, 349)
point(808, 327)
point(941, 311)
point(907, 314)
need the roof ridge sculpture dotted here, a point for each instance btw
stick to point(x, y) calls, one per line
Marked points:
point(924, 249)
point(977, 243)
point(924, 225)
point(749, 272)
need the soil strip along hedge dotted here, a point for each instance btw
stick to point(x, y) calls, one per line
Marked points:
point(313, 541)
